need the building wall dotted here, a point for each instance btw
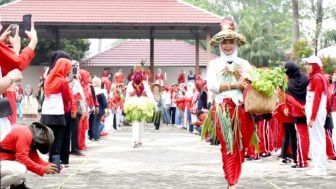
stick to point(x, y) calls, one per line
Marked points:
point(32, 73)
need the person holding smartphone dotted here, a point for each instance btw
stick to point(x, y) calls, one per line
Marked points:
point(12, 58)
point(18, 152)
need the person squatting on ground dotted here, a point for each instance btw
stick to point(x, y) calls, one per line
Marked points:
point(225, 78)
point(18, 152)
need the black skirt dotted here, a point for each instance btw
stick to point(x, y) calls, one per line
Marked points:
point(53, 120)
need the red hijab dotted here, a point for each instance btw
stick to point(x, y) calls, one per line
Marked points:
point(318, 72)
point(57, 76)
point(84, 77)
point(137, 83)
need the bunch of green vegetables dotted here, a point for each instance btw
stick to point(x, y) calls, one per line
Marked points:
point(139, 109)
point(266, 81)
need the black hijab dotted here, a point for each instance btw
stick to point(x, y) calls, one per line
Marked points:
point(297, 82)
point(55, 55)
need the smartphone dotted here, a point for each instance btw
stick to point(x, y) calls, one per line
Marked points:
point(75, 70)
point(26, 25)
point(13, 29)
point(56, 160)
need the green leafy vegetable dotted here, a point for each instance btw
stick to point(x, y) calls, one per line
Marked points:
point(266, 81)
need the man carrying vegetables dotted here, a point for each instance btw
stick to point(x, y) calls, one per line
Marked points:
point(227, 120)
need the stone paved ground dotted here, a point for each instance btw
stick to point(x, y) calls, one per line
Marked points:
point(170, 158)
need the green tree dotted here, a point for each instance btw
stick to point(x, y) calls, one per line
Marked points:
point(2, 2)
point(75, 47)
point(265, 23)
point(261, 48)
point(302, 49)
point(328, 38)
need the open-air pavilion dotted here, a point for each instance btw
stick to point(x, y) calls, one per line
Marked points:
point(122, 19)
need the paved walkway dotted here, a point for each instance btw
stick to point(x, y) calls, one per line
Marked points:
point(170, 158)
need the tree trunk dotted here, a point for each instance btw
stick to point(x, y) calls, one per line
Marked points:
point(318, 20)
point(295, 17)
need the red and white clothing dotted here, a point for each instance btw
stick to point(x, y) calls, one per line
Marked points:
point(332, 91)
point(316, 110)
point(232, 163)
point(138, 127)
point(19, 140)
point(181, 78)
point(297, 111)
point(9, 61)
point(119, 78)
point(83, 124)
point(159, 78)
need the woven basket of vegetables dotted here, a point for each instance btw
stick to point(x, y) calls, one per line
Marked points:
point(261, 97)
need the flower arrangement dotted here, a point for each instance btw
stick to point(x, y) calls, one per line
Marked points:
point(139, 109)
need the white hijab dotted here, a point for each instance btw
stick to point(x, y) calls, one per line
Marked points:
point(231, 57)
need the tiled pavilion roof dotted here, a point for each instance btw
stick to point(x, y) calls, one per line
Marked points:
point(114, 18)
point(131, 52)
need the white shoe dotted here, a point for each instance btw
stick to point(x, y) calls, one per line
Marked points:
point(316, 172)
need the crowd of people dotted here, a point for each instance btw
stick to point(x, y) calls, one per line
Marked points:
point(76, 106)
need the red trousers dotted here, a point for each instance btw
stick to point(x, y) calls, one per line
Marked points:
point(330, 147)
point(302, 135)
point(232, 163)
point(82, 128)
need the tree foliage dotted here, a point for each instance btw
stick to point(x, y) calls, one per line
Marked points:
point(2, 2)
point(75, 47)
point(302, 49)
point(265, 24)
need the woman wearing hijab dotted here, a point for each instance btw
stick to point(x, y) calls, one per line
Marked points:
point(136, 89)
point(225, 79)
point(85, 79)
point(296, 99)
point(58, 98)
point(98, 125)
point(316, 113)
point(55, 55)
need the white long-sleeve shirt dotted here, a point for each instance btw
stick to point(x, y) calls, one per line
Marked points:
point(215, 77)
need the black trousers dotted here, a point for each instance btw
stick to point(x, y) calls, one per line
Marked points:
point(289, 138)
point(172, 112)
point(74, 133)
point(58, 131)
point(91, 125)
point(114, 121)
point(65, 147)
point(157, 120)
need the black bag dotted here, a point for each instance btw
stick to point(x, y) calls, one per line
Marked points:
point(328, 123)
point(5, 107)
